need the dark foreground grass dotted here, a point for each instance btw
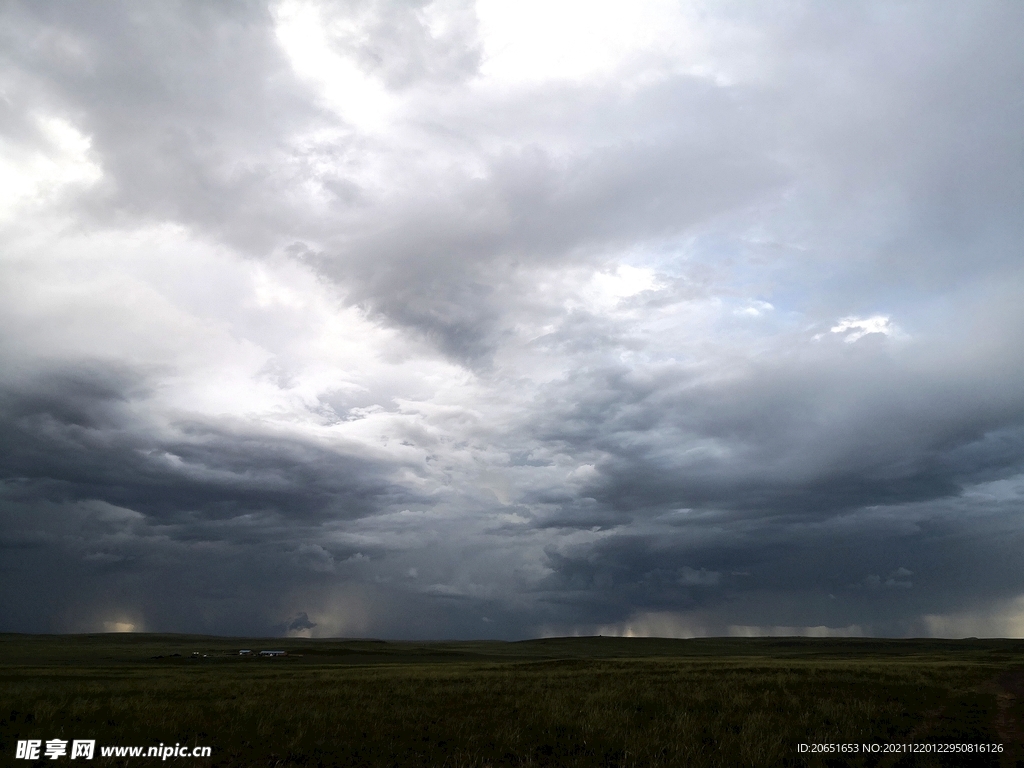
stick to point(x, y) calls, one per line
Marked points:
point(569, 702)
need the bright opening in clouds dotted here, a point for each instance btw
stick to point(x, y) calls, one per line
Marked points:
point(454, 319)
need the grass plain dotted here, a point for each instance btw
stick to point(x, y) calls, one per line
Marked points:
point(554, 702)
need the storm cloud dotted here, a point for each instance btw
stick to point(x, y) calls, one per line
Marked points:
point(474, 319)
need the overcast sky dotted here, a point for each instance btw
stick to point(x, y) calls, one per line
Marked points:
point(415, 319)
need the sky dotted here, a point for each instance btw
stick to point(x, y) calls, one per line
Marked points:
point(441, 319)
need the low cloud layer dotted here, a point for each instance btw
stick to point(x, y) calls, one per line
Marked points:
point(452, 319)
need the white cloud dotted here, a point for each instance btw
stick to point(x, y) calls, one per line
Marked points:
point(32, 177)
point(606, 289)
point(534, 41)
point(305, 34)
point(854, 329)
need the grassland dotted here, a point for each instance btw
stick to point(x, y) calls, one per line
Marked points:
point(557, 702)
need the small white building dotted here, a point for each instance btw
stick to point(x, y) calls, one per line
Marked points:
point(245, 652)
point(273, 653)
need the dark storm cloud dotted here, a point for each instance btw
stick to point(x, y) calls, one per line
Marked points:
point(792, 441)
point(879, 569)
point(74, 435)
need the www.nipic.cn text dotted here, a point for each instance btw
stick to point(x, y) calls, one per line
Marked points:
point(85, 749)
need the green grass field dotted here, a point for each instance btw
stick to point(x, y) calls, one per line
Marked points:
point(557, 702)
